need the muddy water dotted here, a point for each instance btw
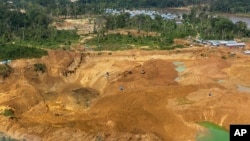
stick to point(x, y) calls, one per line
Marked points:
point(180, 67)
point(243, 89)
point(4, 137)
point(213, 133)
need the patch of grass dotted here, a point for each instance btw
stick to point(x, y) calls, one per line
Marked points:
point(11, 52)
point(113, 47)
point(8, 113)
point(178, 46)
point(178, 51)
point(60, 38)
point(183, 101)
point(124, 42)
point(169, 47)
point(203, 55)
point(223, 57)
point(5, 70)
point(99, 53)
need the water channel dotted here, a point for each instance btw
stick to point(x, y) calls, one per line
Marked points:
point(235, 18)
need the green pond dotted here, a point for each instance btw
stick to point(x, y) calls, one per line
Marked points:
point(213, 133)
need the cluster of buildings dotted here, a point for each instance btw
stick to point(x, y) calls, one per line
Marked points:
point(5, 62)
point(229, 43)
point(247, 52)
point(152, 14)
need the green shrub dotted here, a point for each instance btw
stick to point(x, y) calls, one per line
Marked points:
point(11, 52)
point(183, 101)
point(5, 70)
point(203, 55)
point(223, 57)
point(40, 67)
point(123, 42)
point(8, 113)
point(178, 46)
point(178, 51)
point(99, 53)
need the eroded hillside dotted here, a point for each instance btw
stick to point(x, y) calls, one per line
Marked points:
point(127, 95)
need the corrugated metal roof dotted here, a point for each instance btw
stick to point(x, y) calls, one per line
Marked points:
point(152, 14)
point(247, 51)
point(235, 44)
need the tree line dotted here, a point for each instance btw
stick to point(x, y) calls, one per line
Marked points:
point(196, 24)
point(68, 8)
point(11, 52)
point(32, 25)
point(209, 26)
point(230, 6)
point(165, 31)
point(29, 21)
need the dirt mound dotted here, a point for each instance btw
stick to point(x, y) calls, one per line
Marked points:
point(128, 95)
point(238, 74)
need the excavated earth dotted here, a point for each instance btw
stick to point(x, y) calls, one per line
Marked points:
point(125, 95)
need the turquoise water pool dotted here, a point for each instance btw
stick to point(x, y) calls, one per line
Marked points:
point(213, 133)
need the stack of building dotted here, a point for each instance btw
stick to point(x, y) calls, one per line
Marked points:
point(229, 43)
point(152, 14)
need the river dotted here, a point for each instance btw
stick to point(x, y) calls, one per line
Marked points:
point(233, 17)
point(236, 18)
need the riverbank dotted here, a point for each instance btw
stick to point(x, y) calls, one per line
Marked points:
point(234, 17)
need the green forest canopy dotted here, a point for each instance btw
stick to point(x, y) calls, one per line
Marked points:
point(66, 7)
point(28, 21)
point(11, 52)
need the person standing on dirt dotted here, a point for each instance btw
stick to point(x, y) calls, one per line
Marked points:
point(121, 88)
point(107, 74)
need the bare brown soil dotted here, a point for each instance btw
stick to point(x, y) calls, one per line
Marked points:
point(83, 26)
point(133, 32)
point(75, 99)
